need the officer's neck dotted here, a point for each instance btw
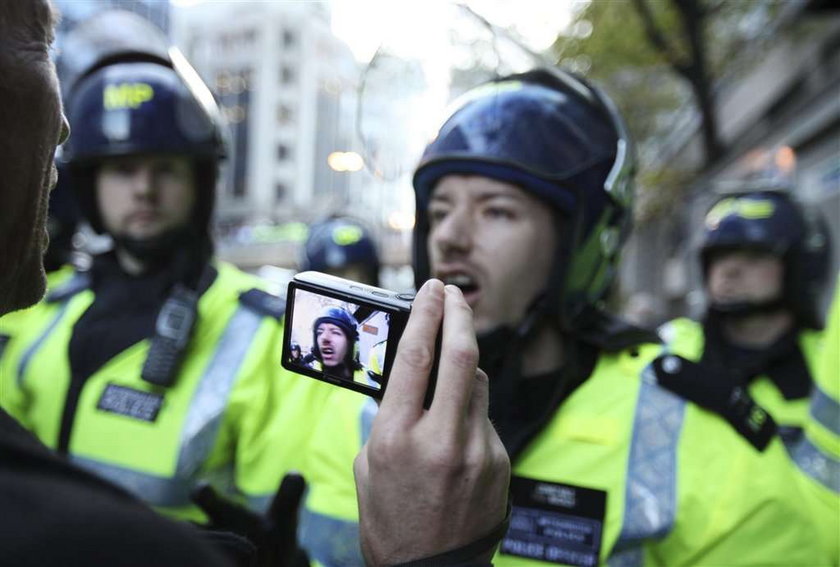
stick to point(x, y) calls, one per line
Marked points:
point(543, 353)
point(131, 264)
point(757, 330)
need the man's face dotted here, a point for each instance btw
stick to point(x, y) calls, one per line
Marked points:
point(32, 125)
point(494, 241)
point(332, 342)
point(745, 275)
point(144, 197)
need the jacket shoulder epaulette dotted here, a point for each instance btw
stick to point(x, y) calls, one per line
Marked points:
point(264, 303)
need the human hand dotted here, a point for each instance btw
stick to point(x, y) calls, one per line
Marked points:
point(273, 534)
point(434, 481)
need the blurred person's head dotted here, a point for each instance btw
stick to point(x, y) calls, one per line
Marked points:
point(294, 351)
point(145, 158)
point(343, 247)
point(32, 125)
point(760, 254)
point(335, 339)
point(523, 200)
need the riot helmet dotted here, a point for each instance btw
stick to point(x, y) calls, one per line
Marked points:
point(143, 102)
point(560, 139)
point(348, 325)
point(338, 243)
point(771, 221)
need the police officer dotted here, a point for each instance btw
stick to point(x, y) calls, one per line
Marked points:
point(343, 247)
point(523, 200)
point(764, 265)
point(159, 368)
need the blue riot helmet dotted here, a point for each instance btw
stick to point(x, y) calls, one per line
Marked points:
point(140, 100)
point(348, 325)
point(561, 139)
point(337, 245)
point(772, 221)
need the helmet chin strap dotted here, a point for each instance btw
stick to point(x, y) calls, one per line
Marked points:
point(156, 250)
point(739, 309)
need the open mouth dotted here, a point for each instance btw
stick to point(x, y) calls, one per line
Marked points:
point(466, 283)
point(327, 351)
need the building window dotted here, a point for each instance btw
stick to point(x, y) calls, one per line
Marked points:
point(282, 152)
point(280, 191)
point(287, 75)
point(289, 38)
point(284, 114)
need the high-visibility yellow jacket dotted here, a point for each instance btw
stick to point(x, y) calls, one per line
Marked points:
point(625, 473)
point(817, 452)
point(685, 337)
point(233, 416)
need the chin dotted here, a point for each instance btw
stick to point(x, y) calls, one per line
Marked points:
point(27, 287)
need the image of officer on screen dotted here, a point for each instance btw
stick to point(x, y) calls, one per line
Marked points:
point(335, 339)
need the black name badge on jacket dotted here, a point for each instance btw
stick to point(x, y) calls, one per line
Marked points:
point(557, 523)
point(130, 402)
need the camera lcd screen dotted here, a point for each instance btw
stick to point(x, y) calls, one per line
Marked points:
point(337, 340)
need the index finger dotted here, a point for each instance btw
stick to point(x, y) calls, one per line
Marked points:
point(409, 378)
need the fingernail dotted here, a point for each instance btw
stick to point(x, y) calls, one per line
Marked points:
point(453, 289)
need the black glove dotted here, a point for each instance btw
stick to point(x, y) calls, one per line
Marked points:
point(273, 534)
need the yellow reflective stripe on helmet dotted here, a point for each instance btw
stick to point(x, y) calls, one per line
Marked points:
point(347, 235)
point(126, 95)
point(750, 209)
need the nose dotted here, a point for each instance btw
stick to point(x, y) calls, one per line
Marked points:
point(143, 183)
point(65, 130)
point(452, 236)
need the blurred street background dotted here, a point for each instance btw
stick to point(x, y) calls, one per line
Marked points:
point(329, 104)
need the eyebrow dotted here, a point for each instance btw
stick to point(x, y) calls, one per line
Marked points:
point(43, 19)
point(482, 196)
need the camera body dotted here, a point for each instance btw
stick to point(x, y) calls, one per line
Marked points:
point(343, 332)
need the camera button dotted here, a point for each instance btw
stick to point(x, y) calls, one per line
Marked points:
point(405, 296)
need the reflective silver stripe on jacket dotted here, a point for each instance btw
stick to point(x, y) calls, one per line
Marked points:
point(650, 502)
point(369, 410)
point(23, 364)
point(818, 465)
point(79, 282)
point(212, 395)
point(152, 489)
point(330, 541)
point(825, 411)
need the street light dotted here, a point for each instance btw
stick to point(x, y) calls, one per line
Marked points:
point(345, 161)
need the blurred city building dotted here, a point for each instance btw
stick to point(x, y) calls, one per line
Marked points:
point(779, 123)
point(288, 88)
